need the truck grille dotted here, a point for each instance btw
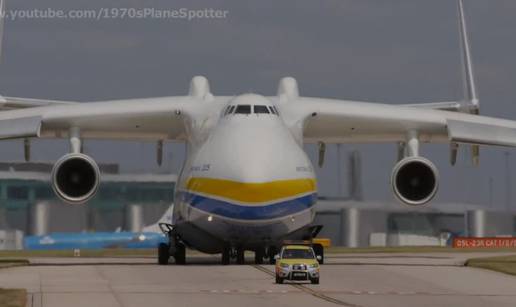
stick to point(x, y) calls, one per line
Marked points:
point(299, 276)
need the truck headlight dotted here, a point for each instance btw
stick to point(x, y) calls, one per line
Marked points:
point(313, 265)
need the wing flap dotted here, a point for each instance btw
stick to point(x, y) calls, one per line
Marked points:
point(20, 127)
point(11, 103)
point(460, 131)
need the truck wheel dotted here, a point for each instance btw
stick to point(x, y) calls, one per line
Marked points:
point(315, 281)
point(279, 280)
point(319, 251)
point(163, 253)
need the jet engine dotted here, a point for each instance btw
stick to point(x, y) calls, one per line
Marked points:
point(75, 178)
point(415, 181)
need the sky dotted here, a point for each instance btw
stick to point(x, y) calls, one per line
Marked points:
point(392, 51)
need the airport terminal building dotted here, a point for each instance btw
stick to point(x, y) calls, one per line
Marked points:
point(124, 202)
point(360, 224)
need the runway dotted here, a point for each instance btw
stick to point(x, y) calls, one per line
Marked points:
point(432, 279)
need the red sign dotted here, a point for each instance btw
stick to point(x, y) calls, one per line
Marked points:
point(484, 242)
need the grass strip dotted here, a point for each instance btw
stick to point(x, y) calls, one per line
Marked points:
point(83, 253)
point(414, 249)
point(503, 264)
point(13, 297)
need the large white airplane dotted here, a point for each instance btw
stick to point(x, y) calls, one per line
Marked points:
point(247, 183)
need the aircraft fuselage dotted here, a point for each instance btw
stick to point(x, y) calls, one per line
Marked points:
point(248, 183)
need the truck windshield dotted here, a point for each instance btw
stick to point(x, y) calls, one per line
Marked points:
point(297, 254)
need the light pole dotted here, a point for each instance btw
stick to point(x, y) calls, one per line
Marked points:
point(491, 192)
point(339, 170)
point(508, 179)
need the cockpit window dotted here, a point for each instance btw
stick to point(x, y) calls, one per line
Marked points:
point(250, 109)
point(243, 109)
point(261, 109)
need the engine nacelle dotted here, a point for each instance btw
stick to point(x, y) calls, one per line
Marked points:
point(415, 181)
point(75, 178)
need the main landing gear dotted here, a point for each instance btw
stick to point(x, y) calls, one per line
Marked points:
point(174, 248)
point(238, 255)
point(226, 256)
point(271, 253)
point(229, 253)
point(259, 254)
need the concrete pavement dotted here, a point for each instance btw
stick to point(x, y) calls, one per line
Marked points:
point(347, 280)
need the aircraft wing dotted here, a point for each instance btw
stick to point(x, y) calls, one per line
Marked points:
point(338, 121)
point(161, 118)
point(327, 120)
point(151, 118)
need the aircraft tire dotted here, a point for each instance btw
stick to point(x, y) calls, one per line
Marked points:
point(240, 256)
point(226, 256)
point(163, 253)
point(271, 253)
point(258, 255)
point(180, 254)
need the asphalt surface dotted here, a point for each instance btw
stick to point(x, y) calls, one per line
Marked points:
point(346, 280)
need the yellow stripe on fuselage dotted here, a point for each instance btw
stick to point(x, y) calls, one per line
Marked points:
point(252, 192)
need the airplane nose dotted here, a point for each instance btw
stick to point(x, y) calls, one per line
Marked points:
point(255, 167)
point(255, 160)
point(254, 152)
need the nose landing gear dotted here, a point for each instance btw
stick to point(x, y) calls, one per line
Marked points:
point(229, 253)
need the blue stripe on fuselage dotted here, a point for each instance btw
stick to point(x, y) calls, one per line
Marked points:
point(234, 211)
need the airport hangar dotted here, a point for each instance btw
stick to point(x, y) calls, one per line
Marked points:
point(128, 202)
